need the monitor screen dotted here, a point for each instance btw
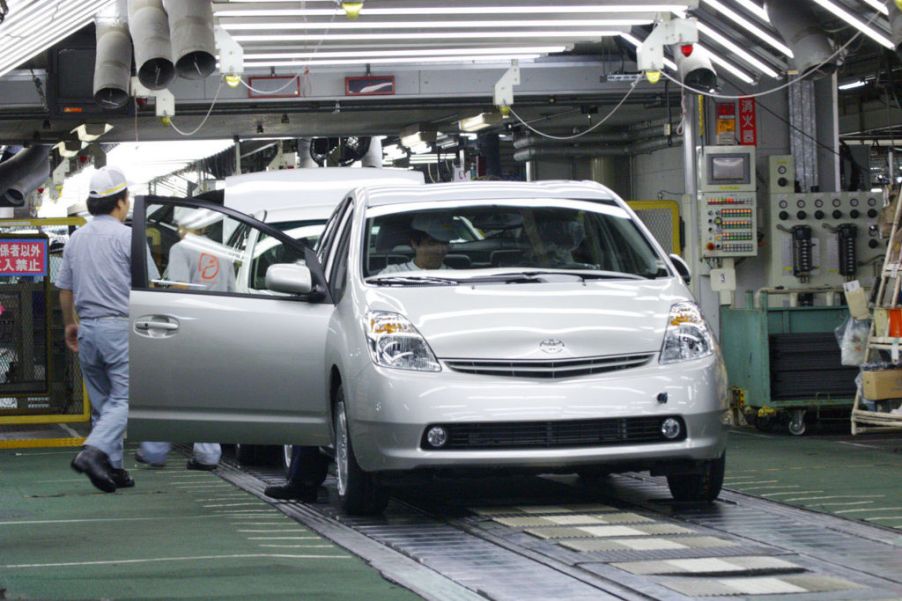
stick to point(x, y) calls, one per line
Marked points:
point(729, 168)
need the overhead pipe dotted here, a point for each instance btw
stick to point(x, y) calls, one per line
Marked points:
point(22, 174)
point(373, 156)
point(533, 153)
point(304, 155)
point(149, 28)
point(193, 39)
point(113, 62)
point(530, 141)
point(796, 23)
point(895, 20)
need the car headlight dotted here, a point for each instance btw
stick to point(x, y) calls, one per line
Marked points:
point(394, 342)
point(687, 336)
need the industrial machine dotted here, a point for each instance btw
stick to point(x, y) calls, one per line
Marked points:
point(727, 202)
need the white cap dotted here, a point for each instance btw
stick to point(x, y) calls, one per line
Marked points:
point(439, 226)
point(107, 181)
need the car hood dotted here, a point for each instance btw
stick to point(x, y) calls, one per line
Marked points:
point(538, 320)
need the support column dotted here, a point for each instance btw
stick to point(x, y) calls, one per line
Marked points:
point(690, 198)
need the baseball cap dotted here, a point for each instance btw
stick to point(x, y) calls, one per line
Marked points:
point(107, 181)
point(438, 226)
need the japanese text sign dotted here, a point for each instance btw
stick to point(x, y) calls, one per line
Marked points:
point(748, 122)
point(23, 257)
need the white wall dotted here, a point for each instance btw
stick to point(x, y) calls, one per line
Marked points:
point(657, 175)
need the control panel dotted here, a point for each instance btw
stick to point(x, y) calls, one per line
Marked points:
point(728, 224)
point(824, 238)
point(782, 173)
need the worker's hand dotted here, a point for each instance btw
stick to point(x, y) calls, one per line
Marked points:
point(72, 337)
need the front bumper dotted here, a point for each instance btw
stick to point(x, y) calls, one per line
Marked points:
point(390, 409)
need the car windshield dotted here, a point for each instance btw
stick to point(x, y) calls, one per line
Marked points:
point(531, 237)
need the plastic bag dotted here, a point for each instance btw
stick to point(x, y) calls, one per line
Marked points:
point(852, 337)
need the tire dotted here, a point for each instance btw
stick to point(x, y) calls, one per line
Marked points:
point(358, 491)
point(699, 488)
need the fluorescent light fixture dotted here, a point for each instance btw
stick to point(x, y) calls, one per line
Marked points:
point(395, 36)
point(755, 8)
point(412, 136)
point(853, 84)
point(637, 42)
point(461, 10)
point(736, 71)
point(749, 26)
point(877, 190)
point(484, 24)
point(88, 132)
point(878, 6)
point(469, 136)
point(737, 50)
point(403, 53)
point(394, 152)
point(421, 148)
point(856, 23)
point(480, 122)
point(394, 61)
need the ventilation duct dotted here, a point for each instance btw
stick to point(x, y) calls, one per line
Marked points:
point(696, 70)
point(304, 155)
point(22, 174)
point(373, 155)
point(796, 23)
point(149, 28)
point(193, 39)
point(113, 65)
point(895, 19)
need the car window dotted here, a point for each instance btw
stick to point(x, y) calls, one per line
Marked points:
point(338, 274)
point(268, 250)
point(507, 235)
point(325, 242)
point(187, 248)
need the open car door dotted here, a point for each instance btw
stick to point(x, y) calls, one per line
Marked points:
point(210, 361)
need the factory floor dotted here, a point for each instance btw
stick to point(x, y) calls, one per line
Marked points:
point(182, 534)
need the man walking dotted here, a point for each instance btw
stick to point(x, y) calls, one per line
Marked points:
point(94, 282)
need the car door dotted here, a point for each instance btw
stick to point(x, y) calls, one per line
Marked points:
point(209, 360)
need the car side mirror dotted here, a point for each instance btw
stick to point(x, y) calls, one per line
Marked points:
point(681, 266)
point(290, 278)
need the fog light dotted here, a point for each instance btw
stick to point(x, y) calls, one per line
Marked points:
point(670, 428)
point(437, 436)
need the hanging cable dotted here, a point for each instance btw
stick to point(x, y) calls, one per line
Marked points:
point(788, 84)
point(582, 133)
point(202, 123)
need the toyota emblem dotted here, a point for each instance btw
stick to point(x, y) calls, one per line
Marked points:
point(552, 346)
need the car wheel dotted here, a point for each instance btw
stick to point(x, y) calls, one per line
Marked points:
point(358, 491)
point(701, 487)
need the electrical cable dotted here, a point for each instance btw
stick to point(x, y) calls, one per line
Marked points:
point(269, 92)
point(202, 123)
point(582, 133)
point(788, 84)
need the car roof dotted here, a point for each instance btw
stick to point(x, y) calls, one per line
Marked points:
point(479, 190)
point(307, 213)
point(297, 188)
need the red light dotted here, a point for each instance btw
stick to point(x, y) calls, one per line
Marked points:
point(82, 159)
point(686, 49)
point(40, 190)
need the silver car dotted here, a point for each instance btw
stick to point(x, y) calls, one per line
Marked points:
point(447, 328)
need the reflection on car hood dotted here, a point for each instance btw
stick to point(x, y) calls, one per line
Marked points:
point(492, 321)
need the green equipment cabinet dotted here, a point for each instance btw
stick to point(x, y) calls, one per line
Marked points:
point(784, 362)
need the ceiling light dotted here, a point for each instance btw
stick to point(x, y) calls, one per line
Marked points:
point(736, 71)
point(401, 53)
point(755, 8)
point(462, 10)
point(421, 148)
point(637, 42)
point(877, 5)
point(857, 23)
point(413, 136)
point(406, 37)
point(737, 50)
point(88, 132)
point(480, 122)
point(395, 61)
point(352, 9)
point(853, 84)
point(749, 26)
point(437, 24)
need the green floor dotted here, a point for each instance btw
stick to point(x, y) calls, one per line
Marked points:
point(853, 477)
point(177, 535)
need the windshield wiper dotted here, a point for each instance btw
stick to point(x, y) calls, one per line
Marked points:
point(532, 276)
point(410, 280)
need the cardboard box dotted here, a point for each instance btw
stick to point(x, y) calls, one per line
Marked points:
point(883, 384)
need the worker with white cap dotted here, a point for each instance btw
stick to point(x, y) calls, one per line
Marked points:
point(94, 282)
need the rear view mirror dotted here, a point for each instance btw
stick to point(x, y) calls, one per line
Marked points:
point(290, 278)
point(682, 268)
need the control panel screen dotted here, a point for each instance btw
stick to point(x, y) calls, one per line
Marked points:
point(729, 169)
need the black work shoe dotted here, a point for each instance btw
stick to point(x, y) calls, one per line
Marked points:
point(292, 492)
point(95, 464)
point(140, 459)
point(121, 478)
point(194, 464)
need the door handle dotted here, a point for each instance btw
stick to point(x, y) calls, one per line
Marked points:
point(156, 325)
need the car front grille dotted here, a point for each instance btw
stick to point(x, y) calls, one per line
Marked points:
point(553, 434)
point(554, 369)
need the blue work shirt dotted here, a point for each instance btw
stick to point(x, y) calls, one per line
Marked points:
point(97, 268)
